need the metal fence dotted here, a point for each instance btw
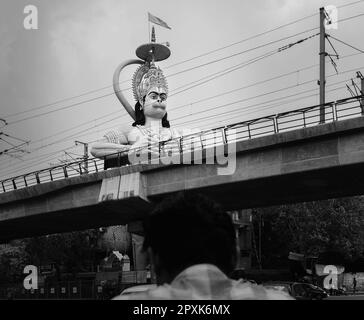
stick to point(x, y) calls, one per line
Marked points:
point(70, 290)
point(78, 289)
point(269, 125)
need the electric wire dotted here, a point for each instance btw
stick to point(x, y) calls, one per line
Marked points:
point(109, 94)
point(351, 18)
point(171, 75)
point(191, 103)
point(247, 99)
point(77, 134)
point(261, 107)
point(345, 43)
point(335, 89)
point(95, 90)
point(258, 104)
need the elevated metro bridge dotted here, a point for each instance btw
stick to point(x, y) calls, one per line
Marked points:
point(282, 158)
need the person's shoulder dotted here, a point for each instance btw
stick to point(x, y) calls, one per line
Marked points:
point(274, 294)
point(244, 290)
point(163, 292)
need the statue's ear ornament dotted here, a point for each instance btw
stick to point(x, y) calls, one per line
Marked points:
point(146, 76)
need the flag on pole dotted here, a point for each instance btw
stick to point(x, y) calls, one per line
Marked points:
point(158, 21)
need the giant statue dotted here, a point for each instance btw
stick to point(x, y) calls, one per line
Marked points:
point(150, 89)
point(150, 126)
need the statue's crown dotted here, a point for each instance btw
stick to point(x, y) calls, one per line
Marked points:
point(146, 77)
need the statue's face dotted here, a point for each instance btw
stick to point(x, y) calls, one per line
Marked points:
point(155, 104)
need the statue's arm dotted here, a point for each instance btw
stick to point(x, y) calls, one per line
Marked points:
point(104, 148)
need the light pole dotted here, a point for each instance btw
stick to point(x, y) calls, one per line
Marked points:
point(85, 153)
point(322, 65)
point(361, 77)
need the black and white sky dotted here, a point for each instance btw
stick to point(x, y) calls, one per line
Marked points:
point(56, 81)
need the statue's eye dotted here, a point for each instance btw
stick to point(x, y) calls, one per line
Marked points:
point(163, 97)
point(153, 96)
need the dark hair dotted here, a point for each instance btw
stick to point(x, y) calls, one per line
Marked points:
point(189, 229)
point(140, 117)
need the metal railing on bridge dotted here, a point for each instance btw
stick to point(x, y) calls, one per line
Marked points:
point(273, 124)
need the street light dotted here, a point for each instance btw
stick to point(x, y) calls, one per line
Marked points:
point(85, 153)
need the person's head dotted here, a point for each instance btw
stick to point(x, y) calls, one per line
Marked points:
point(189, 229)
point(154, 105)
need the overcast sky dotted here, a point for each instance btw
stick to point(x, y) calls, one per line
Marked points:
point(79, 44)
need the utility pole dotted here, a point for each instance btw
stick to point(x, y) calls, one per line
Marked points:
point(322, 64)
point(85, 153)
point(361, 77)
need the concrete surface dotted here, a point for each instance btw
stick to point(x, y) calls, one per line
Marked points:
point(319, 162)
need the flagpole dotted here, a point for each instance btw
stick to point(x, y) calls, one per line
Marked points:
point(148, 28)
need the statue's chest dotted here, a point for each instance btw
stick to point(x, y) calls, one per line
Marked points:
point(161, 134)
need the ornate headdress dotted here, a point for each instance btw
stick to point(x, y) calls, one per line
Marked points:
point(146, 77)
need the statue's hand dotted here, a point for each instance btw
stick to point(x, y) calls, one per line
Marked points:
point(146, 141)
point(147, 144)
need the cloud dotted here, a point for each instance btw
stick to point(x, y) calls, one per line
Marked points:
point(5, 50)
point(84, 38)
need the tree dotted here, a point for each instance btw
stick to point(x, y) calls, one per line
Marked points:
point(313, 228)
point(13, 259)
point(74, 251)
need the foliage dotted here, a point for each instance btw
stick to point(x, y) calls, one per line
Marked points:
point(74, 251)
point(13, 258)
point(330, 229)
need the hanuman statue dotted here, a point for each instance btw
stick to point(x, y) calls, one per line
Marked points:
point(150, 89)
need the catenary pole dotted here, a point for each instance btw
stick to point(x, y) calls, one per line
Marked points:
point(322, 65)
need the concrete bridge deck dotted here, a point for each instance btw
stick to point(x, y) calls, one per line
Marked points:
point(313, 163)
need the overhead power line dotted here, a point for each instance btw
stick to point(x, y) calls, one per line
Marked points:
point(260, 104)
point(191, 103)
point(263, 106)
point(350, 4)
point(247, 63)
point(62, 108)
point(260, 34)
point(72, 128)
point(357, 16)
point(109, 94)
point(14, 147)
point(93, 91)
point(241, 52)
point(246, 39)
point(233, 115)
point(258, 96)
point(37, 162)
point(77, 134)
point(345, 43)
point(264, 56)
